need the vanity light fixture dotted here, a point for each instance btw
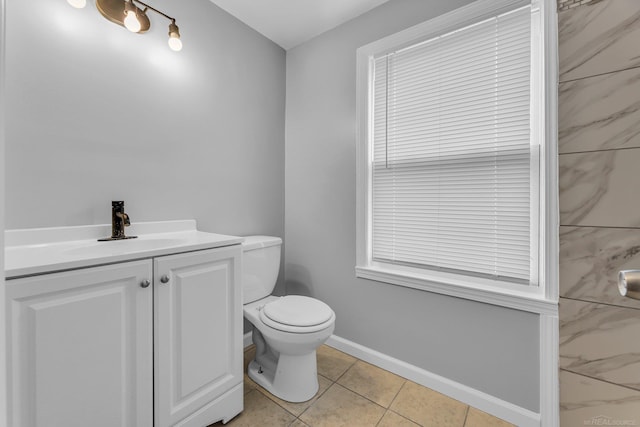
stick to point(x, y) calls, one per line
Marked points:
point(132, 14)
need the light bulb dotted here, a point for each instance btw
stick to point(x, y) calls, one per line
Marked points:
point(174, 37)
point(78, 4)
point(175, 43)
point(131, 22)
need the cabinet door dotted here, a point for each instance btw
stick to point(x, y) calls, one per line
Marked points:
point(80, 348)
point(197, 334)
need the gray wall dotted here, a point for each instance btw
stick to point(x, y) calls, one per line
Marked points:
point(99, 114)
point(599, 146)
point(489, 348)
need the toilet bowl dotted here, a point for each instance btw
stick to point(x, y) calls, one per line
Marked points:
point(286, 330)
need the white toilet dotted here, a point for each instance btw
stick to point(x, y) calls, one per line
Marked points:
point(286, 330)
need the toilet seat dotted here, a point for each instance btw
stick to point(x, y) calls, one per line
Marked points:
point(297, 314)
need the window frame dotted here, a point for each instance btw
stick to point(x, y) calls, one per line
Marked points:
point(538, 299)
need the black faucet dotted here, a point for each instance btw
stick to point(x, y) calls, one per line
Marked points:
point(119, 220)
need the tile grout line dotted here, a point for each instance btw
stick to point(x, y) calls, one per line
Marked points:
point(359, 395)
point(348, 389)
point(633, 227)
point(468, 407)
point(466, 415)
point(606, 73)
point(599, 303)
point(394, 399)
point(365, 397)
point(600, 379)
point(406, 418)
point(318, 397)
point(398, 392)
point(601, 150)
point(346, 370)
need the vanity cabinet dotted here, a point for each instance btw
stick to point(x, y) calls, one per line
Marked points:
point(81, 347)
point(197, 336)
point(155, 342)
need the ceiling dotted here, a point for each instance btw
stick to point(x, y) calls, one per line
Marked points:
point(292, 22)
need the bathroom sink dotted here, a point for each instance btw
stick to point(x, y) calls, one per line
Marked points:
point(128, 246)
point(45, 250)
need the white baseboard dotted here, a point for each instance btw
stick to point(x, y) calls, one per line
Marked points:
point(492, 405)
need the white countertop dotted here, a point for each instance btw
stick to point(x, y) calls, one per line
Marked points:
point(44, 250)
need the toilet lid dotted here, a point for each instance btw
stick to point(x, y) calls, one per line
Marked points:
point(296, 310)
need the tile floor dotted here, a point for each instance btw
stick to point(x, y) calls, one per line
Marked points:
point(354, 393)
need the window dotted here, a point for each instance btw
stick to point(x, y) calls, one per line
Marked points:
point(451, 163)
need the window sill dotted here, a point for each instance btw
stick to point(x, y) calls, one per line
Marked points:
point(528, 299)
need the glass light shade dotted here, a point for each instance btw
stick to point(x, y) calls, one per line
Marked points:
point(78, 4)
point(175, 43)
point(131, 22)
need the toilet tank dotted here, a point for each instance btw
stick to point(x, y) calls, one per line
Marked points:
point(260, 266)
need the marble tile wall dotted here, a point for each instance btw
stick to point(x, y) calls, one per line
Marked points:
point(585, 401)
point(599, 168)
point(600, 188)
point(595, 341)
point(599, 37)
point(567, 4)
point(590, 260)
point(600, 113)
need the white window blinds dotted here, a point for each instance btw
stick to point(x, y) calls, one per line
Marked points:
point(453, 163)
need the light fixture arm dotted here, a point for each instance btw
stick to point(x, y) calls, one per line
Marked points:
point(146, 6)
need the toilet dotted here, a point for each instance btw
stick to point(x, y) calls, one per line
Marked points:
point(286, 330)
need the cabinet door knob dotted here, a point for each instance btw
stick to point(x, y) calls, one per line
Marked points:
point(164, 279)
point(145, 284)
